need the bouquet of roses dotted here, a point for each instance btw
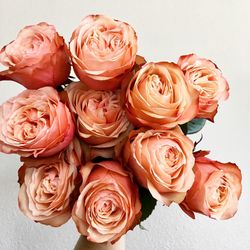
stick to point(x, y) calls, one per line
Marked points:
point(103, 149)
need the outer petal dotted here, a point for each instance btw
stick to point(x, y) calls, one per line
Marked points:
point(103, 50)
point(158, 97)
point(106, 183)
point(216, 189)
point(35, 123)
point(205, 76)
point(37, 58)
point(162, 161)
point(47, 187)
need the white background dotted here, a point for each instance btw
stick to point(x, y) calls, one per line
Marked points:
point(219, 30)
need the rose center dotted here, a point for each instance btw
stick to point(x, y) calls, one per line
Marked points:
point(104, 40)
point(105, 207)
point(205, 82)
point(104, 108)
point(172, 156)
point(26, 126)
point(220, 194)
point(156, 84)
point(50, 182)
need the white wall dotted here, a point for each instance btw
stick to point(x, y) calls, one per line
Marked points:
point(217, 29)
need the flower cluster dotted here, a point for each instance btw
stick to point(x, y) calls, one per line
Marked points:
point(93, 149)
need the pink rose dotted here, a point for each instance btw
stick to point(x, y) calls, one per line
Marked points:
point(162, 161)
point(47, 186)
point(216, 189)
point(205, 77)
point(158, 97)
point(102, 51)
point(100, 119)
point(37, 58)
point(108, 205)
point(35, 122)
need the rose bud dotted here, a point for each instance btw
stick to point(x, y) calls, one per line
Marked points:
point(108, 205)
point(162, 162)
point(47, 186)
point(37, 58)
point(216, 189)
point(35, 123)
point(102, 51)
point(158, 97)
point(206, 78)
point(101, 121)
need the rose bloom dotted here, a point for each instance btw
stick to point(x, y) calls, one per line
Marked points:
point(162, 161)
point(102, 51)
point(101, 121)
point(216, 189)
point(47, 186)
point(37, 58)
point(158, 97)
point(35, 122)
point(205, 76)
point(108, 205)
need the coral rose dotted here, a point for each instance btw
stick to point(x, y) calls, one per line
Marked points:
point(216, 189)
point(162, 161)
point(101, 121)
point(205, 76)
point(47, 186)
point(158, 97)
point(37, 58)
point(102, 51)
point(108, 205)
point(35, 122)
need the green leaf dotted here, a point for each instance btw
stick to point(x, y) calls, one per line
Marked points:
point(148, 203)
point(193, 126)
point(142, 227)
point(184, 128)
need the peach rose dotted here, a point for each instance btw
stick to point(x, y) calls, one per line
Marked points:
point(102, 51)
point(216, 189)
point(162, 161)
point(108, 205)
point(158, 97)
point(37, 58)
point(47, 186)
point(205, 77)
point(36, 123)
point(101, 121)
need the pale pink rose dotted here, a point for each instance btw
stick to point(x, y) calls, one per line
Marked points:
point(101, 121)
point(206, 78)
point(102, 51)
point(158, 97)
point(48, 184)
point(162, 161)
point(108, 205)
point(35, 122)
point(216, 189)
point(37, 58)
